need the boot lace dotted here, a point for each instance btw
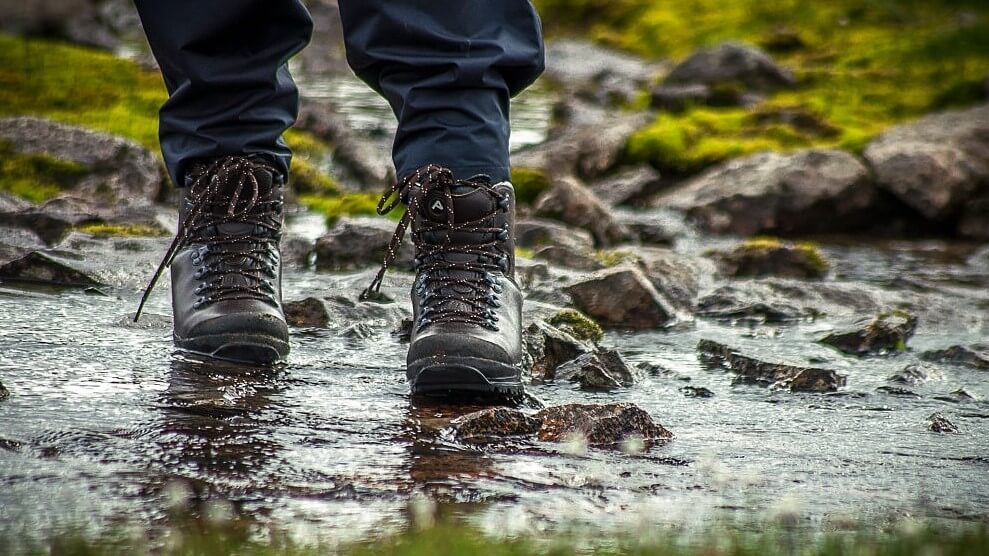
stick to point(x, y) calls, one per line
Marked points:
point(230, 184)
point(461, 288)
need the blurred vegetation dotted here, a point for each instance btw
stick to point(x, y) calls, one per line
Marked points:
point(862, 66)
point(452, 539)
point(95, 89)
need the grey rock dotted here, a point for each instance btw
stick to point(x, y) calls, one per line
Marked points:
point(622, 297)
point(776, 375)
point(568, 257)
point(810, 191)
point(308, 313)
point(940, 424)
point(936, 164)
point(886, 333)
point(4, 393)
point(626, 185)
point(729, 63)
point(600, 370)
point(547, 347)
point(975, 356)
point(771, 258)
point(77, 21)
point(973, 222)
point(676, 276)
point(539, 232)
point(676, 98)
point(599, 425)
point(370, 166)
point(696, 392)
point(118, 171)
point(43, 268)
point(359, 242)
point(897, 391)
point(914, 374)
point(654, 227)
point(569, 201)
point(781, 300)
point(958, 396)
point(596, 72)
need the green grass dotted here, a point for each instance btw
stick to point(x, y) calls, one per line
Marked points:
point(135, 230)
point(347, 204)
point(862, 66)
point(453, 539)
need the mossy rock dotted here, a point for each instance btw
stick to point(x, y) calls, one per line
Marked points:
point(122, 230)
point(529, 184)
point(578, 325)
point(346, 204)
point(36, 177)
point(766, 256)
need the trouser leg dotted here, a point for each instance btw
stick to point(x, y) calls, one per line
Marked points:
point(225, 67)
point(448, 69)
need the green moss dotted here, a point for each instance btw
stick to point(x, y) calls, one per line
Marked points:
point(529, 183)
point(35, 177)
point(346, 204)
point(524, 252)
point(577, 324)
point(809, 252)
point(862, 66)
point(615, 257)
point(136, 230)
point(307, 179)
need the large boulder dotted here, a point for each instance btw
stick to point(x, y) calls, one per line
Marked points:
point(42, 268)
point(975, 356)
point(571, 202)
point(810, 191)
point(678, 277)
point(595, 72)
point(547, 347)
point(731, 63)
point(770, 257)
point(622, 297)
point(78, 21)
point(117, 171)
point(936, 164)
point(626, 185)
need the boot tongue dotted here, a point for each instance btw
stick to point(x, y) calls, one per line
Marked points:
point(472, 200)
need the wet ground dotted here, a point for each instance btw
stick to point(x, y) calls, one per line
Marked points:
point(104, 420)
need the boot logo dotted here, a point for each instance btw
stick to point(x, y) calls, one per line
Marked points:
point(437, 206)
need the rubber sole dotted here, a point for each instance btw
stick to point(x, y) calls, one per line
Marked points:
point(458, 376)
point(253, 349)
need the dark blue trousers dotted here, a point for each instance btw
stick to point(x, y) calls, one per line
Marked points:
point(447, 67)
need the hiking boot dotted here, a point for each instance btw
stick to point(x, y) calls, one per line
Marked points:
point(225, 263)
point(467, 307)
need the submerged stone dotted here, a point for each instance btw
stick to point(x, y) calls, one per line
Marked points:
point(492, 424)
point(39, 267)
point(897, 391)
point(958, 396)
point(975, 356)
point(915, 374)
point(777, 375)
point(884, 334)
point(940, 424)
point(599, 425)
point(599, 370)
point(308, 313)
point(4, 393)
point(696, 392)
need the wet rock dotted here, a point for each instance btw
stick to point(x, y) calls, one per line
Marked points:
point(622, 297)
point(370, 166)
point(935, 164)
point(696, 392)
point(782, 300)
point(654, 227)
point(10, 203)
point(940, 424)
point(975, 356)
point(567, 257)
point(587, 150)
point(547, 347)
point(358, 242)
point(403, 332)
point(538, 232)
point(771, 257)
point(626, 185)
point(297, 249)
point(599, 370)
point(810, 191)
point(42, 268)
point(599, 425)
point(307, 313)
point(493, 424)
point(55, 219)
point(577, 324)
point(915, 374)
point(958, 396)
point(4, 393)
point(886, 333)
point(728, 64)
point(326, 53)
point(569, 201)
point(595, 72)
point(973, 222)
point(777, 375)
point(118, 172)
point(897, 391)
point(358, 331)
point(677, 277)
